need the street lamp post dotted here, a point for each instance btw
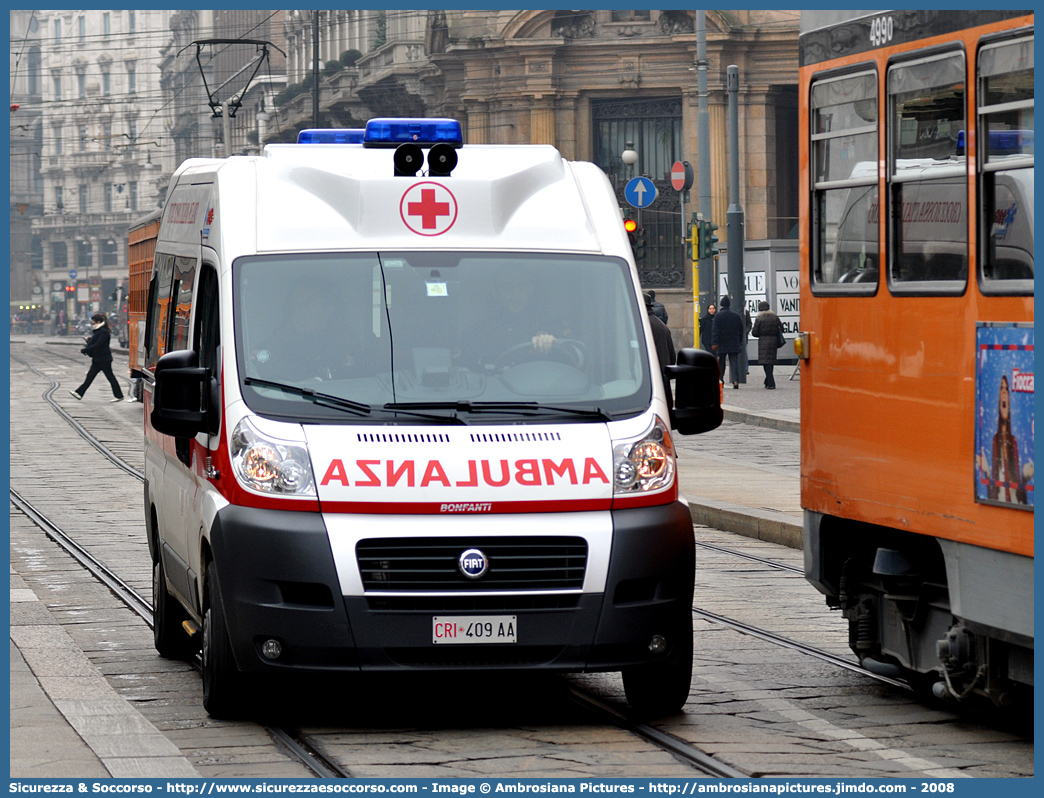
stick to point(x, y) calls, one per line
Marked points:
point(630, 157)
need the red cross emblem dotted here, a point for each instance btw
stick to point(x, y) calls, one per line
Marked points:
point(428, 209)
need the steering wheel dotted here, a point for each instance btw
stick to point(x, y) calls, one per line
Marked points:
point(563, 350)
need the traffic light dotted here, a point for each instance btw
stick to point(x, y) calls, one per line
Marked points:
point(708, 241)
point(70, 289)
point(630, 225)
point(694, 237)
point(639, 243)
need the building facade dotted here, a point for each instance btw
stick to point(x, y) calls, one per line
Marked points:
point(92, 96)
point(591, 83)
point(108, 104)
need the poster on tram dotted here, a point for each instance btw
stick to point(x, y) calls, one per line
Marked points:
point(1004, 415)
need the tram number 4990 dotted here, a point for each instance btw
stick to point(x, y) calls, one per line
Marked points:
point(881, 31)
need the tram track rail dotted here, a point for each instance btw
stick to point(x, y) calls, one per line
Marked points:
point(782, 566)
point(296, 743)
point(291, 740)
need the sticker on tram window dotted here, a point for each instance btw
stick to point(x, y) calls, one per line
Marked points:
point(1004, 415)
point(881, 31)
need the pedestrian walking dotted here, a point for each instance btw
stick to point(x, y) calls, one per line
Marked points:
point(744, 362)
point(727, 340)
point(767, 328)
point(706, 325)
point(657, 308)
point(97, 349)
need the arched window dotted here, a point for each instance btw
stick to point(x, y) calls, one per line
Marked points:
point(653, 128)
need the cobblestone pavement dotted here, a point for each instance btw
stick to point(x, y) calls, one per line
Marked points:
point(763, 709)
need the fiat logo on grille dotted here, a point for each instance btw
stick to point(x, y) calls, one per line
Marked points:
point(473, 564)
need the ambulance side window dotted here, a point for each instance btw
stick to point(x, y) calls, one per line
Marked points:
point(184, 282)
point(159, 309)
point(208, 329)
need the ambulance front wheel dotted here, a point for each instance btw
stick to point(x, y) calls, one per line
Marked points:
point(169, 637)
point(662, 688)
point(223, 689)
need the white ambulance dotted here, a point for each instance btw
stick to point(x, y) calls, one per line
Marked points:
point(404, 412)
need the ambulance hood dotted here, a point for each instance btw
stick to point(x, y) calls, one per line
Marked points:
point(333, 197)
point(466, 469)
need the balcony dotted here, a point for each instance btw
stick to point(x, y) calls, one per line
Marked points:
point(399, 58)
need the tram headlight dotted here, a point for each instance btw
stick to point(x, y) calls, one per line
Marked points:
point(645, 463)
point(262, 463)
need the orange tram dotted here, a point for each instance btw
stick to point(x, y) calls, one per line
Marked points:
point(917, 317)
point(141, 248)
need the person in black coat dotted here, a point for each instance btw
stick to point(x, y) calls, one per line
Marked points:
point(656, 307)
point(97, 348)
point(664, 347)
point(727, 339)
point(706, 325)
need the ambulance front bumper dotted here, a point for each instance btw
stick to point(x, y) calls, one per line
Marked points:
point(279, 580)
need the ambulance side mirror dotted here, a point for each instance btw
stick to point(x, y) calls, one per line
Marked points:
point(181, 395)
point(697, 392)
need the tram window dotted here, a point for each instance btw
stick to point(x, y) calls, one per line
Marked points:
point(159, 303)
point(928, 188)
point(208, 329)
point(846, 219)
point(184, 280)
point(1006, 158)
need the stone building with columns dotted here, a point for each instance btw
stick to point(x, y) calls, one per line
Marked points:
point(587, 82)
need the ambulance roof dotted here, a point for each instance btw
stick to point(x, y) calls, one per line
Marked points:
point(344, 197)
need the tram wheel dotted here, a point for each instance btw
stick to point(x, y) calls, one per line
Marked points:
point(169, 637)
point(662, 688)
point(222, 681)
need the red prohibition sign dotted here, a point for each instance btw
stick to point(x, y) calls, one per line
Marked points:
point(428, 209)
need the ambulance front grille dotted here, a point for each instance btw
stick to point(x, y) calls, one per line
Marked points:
point(475, 602)
point(430, 564)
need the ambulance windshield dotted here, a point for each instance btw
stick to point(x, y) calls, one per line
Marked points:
point(426, 336)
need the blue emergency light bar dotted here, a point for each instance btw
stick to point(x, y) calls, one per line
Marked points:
point(1004, 142)
point(1011, 141)
point(422, 132)
point(351, 135)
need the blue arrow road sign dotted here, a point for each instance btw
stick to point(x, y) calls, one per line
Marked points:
point(640, 192)
point(72, 274)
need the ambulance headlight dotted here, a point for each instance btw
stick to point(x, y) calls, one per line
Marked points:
point(270, 465)
point(645, 463)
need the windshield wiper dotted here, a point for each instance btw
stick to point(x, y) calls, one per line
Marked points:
point(523, 408)
point(323, 399)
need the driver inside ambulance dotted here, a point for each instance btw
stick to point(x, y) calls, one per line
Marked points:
point(515, 326)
